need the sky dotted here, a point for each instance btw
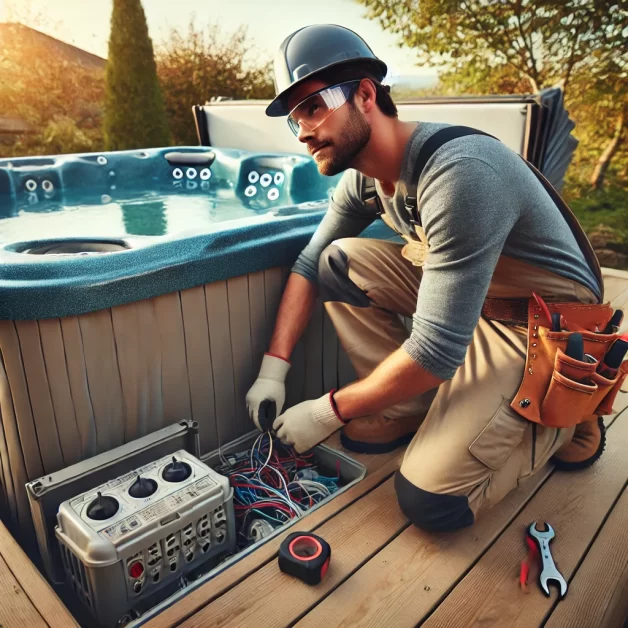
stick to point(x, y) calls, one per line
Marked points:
point(85, 23)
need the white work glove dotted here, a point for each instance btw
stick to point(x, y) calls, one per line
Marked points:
point(308, 423)
point(269, 385)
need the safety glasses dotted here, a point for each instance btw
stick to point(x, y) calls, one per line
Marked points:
point(317, 107)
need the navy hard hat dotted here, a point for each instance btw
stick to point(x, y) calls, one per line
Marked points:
point(318, 47)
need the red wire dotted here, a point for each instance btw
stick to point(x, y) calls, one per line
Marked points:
point(279, 458)
point(282, 471)
point(269, 504)
point(247, 485)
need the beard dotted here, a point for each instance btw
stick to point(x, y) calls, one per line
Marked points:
point(340, 154)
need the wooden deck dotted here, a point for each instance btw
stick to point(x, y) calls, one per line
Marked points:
point(26, 599)
point(385, 572)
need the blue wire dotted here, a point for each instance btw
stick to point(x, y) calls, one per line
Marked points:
point(258, 490)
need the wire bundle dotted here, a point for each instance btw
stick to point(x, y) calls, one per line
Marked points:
point(273, 483)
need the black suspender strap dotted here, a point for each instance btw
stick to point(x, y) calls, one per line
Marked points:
point(432, 144)
point(370, 198)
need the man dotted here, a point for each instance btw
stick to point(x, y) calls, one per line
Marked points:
point(486, 228)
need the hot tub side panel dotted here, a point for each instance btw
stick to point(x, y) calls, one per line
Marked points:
point(75, 386)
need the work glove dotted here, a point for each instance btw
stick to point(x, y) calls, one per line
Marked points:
point(269, 386)
point(308, 423)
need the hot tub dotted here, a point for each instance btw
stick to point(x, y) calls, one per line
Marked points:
point(114, 325)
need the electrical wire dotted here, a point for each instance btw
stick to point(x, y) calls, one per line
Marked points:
point(273, 483)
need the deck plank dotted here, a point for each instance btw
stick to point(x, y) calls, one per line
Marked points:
point(616, 291)
point(379, 469)
point(417, 566)
point(25, 596)
point(576, 505)
point(16, 609)
point(362, 530)
point(598, 593)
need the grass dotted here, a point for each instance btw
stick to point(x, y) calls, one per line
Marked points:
point(607, 207)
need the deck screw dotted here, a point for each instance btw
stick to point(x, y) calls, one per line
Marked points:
point(426, 588)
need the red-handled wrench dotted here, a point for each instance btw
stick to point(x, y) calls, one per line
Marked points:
point(549, 570)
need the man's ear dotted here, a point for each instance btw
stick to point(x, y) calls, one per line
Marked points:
point(366, 95)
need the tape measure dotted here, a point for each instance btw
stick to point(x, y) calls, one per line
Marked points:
point(305, 556)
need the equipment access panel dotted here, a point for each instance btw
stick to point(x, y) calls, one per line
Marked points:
point(125, 541)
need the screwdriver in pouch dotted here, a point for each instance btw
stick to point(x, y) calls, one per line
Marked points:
point(613, 359)
point(575, 347)
point(614, 323)
point(575, 350)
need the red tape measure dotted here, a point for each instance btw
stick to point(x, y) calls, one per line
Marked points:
point(305, 556)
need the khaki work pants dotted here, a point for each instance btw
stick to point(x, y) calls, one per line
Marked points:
point(470, 442)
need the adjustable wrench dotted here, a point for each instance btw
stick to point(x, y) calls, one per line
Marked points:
point(549, 571)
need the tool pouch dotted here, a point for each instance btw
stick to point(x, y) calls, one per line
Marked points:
point(558, 390)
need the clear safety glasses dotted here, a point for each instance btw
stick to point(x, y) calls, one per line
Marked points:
point(317, 107)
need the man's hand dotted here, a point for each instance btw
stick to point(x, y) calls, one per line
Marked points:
point(308, 423)
point(269, 385)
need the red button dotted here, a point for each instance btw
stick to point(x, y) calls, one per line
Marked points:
point(136, 569)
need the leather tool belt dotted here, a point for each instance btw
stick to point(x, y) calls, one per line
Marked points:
point(558, 390)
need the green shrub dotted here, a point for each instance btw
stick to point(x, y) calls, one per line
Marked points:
point(608, 208)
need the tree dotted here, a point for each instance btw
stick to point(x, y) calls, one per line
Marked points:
point(59, 98)
point(602, 102)
point(544, 41)
point(135, 115)
point(202, 63)
point(597, 179)
point(520, 46)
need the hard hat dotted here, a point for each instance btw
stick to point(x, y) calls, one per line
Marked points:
point(312, 49)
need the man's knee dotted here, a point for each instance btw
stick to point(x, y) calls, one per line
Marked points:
point(432, 511)
point(334, 281)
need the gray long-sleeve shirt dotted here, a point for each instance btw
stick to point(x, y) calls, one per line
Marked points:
point(477, 200)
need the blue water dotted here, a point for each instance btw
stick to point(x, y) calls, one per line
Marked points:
point(146, 215)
